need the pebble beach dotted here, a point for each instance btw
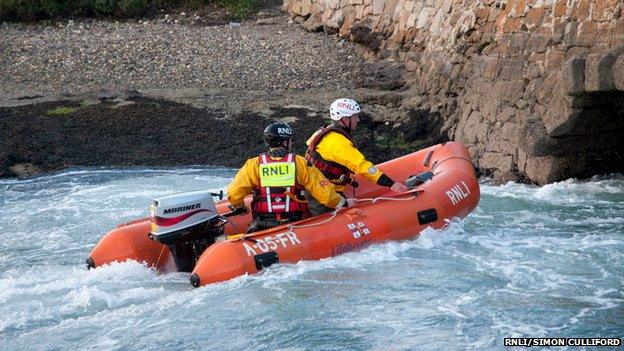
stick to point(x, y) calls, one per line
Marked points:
point(89, 56)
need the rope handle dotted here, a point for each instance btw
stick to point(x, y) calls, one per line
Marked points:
point(334, 214)
point(374, 200)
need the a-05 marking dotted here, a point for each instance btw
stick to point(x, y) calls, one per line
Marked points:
point(269, 243)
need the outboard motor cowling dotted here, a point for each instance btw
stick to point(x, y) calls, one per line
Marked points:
point(187, 223)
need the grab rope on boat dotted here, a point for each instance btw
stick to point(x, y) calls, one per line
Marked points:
point(334, 214)
point(372, 200)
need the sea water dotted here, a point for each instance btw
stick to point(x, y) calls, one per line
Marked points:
point(528, 262)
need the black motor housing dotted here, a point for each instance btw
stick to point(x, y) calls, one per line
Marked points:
point(186, 245)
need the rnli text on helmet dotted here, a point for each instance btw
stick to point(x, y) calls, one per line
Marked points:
point(284, 131)
point(346, 105)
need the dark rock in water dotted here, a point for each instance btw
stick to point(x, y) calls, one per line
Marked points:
point(146, 132)
point(140, 131)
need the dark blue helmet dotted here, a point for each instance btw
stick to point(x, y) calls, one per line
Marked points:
point(276, 133)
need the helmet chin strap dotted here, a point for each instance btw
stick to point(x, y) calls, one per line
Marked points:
point(350, 124)
point(281, 150)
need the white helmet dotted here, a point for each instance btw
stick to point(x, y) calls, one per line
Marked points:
point(343, 108)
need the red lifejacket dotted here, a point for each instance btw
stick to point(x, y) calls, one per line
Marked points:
point(334, 172)
point(279, 202)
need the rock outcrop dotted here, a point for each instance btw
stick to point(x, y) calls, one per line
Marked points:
point(535, 88)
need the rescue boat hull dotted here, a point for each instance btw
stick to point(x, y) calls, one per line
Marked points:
point(380, 216)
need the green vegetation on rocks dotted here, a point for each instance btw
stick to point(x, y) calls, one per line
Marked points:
point(393, 142)
point(239, 8)
point(33, 10)
point(61, 111)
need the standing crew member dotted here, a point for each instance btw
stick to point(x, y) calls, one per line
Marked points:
point(279, 180)
point(331, 150)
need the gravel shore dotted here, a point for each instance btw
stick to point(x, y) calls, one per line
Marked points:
point(175, 90)
point(265, 54)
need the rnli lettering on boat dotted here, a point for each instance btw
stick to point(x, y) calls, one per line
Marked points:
point(458, 192)
point(182, 208)
point(269, 243)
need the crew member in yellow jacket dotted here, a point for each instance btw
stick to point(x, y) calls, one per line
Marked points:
point(279, 181)
point(331, 150)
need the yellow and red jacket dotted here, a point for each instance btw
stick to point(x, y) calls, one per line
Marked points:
point(331, 150)
point(248, 180)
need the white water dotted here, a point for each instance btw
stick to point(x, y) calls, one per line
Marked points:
point(529, 261)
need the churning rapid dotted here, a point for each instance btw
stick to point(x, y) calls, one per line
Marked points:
point(529, 261)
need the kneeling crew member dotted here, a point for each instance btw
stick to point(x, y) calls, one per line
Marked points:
point(331, 150)
point(279, 180)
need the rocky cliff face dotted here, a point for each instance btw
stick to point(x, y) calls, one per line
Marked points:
point(535, 88)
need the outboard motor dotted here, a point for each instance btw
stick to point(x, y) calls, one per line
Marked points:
point(187, 223)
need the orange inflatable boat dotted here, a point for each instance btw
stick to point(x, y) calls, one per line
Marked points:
point(192, 234)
